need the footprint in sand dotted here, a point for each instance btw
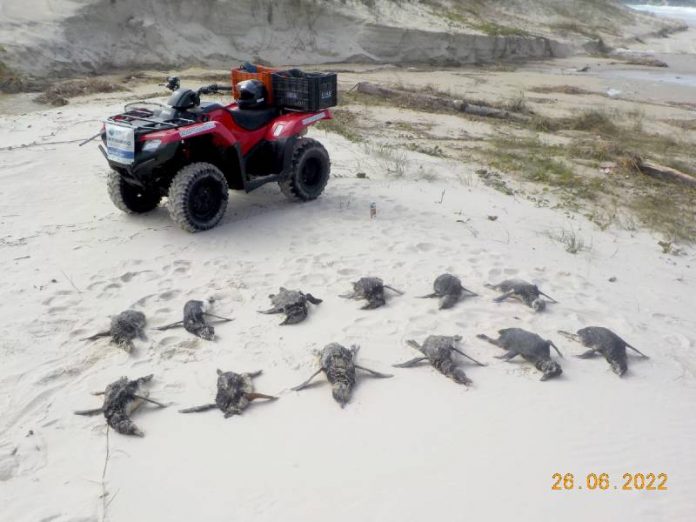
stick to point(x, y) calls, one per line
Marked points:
point(110, 289)
point(494, 273)
point(60, 295)
point(128, 276)
point(678, 340)
point(505, 272)
point(315, 280)
point(144, 300)
point(254, 348)
point(173, 386)
point(8, 465)
point(80, 332)
point(94, 286)
point(181, 262)
point(169, 341)
point(222, 264)
point(190, 343)
point(59, 374)
point(170, 294)
point(29, 454)
point(580, 295)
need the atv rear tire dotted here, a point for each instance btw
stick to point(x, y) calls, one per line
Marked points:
point(198, 197)
point(129, 198)
point(310, 168)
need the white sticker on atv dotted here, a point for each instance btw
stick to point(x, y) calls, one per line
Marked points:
point(190, 131)
point(314, 118)
point(120, 144)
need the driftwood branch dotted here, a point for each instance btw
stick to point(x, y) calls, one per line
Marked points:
point(437, 102)
point(664, 173)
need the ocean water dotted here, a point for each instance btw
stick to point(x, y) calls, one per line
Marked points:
point(688, 14)
point(681, 58)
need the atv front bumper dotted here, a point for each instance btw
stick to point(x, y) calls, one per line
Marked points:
point(140, 172)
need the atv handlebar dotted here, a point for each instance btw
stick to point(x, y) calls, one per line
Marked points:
point(174, 84)
point(214, 88)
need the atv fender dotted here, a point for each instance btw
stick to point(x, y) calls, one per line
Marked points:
point(293, 124)
point(221, 136)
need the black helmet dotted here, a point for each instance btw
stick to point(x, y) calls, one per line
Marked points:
point(252, 94)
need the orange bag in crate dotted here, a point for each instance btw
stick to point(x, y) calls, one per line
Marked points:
point(262, 73)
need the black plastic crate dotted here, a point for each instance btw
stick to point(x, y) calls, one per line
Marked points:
point(309, 92)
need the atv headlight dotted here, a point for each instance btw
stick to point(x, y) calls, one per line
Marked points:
point(151, 145)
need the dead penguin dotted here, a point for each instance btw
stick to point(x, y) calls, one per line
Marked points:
point(292, 303)
point(371, 289)
point(125, 327)
point(530, 346)
point(602, 340)
point(523, 291)
point(438, 351)
point(195, 313)
point(234, 393)
point(121, 399)
point(337, 362)
point(450, 290)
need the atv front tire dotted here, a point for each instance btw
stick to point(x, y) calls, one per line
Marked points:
point(198, 197)
point(310, 168)
point(129, 198)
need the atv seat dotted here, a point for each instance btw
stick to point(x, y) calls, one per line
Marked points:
point(253, 119)
point(206, 107)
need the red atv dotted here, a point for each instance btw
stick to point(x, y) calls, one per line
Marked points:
point(193, 152)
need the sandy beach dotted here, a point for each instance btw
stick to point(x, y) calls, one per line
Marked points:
point(410, 448)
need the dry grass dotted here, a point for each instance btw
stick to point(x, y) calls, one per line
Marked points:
point(494, 180)
point(563, 89)
point(389, 157)
point(571, 171)
point(344, 123)
point(594, 120)
point(534, 161)
point(434, 150)
point(493, 29)
point(11, 81)
point(566, 28)
point(660, 206)
point(59, 93)
point(689, 125)
point(667, 208)
point(572, 243)
point(517, 104)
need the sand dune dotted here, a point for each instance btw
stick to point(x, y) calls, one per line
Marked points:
point(63, 37)
point(413, 447)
